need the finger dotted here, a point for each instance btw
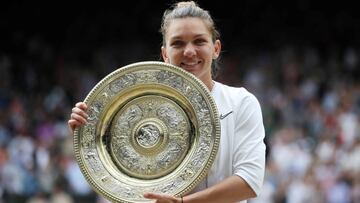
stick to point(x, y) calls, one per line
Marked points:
point(81, 105)
point(152, 196)
point(80, 112)
point(79, 118)
point(161, 197)
point(158, 197)
point(73, 124)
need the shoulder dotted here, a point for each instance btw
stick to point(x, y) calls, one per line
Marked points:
point(234, 94)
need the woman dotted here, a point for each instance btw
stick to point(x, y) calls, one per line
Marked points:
point(191, 41)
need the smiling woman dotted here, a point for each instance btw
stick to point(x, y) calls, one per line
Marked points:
point(192, 42)
point(189, 45)
point(52, 53)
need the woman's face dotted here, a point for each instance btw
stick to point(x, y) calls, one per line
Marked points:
point(189, 45)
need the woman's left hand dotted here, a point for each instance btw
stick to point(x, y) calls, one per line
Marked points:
point(162, 198)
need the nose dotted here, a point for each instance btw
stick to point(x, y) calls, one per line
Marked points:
point(189, 50)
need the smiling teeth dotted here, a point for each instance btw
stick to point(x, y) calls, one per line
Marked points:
point(190, 64)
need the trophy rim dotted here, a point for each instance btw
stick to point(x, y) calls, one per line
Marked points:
point(180, 191)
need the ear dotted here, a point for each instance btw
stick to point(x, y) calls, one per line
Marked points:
point(164, 55)
point(217, 49)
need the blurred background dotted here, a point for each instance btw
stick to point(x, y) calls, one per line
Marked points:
point(300, 58)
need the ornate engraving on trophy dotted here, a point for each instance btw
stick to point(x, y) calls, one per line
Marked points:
point(188, 173)
point(145, 76)
point(125, 81)
point(151, 139)
point(92, 160)
point(149, 148)
point(170, 115)
point(88, 138)
point(169, 187)
point(165, 77)
point(148, 135)
point(93, 113)
point(177, 83)
point(105, 178)
point(104, 97)
point(133, 115)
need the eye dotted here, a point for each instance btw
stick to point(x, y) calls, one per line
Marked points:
point(177, 43)
point(200, 41)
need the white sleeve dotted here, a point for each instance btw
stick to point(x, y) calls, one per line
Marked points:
point(249, 147)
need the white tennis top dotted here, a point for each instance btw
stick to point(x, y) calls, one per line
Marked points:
point(242, 149)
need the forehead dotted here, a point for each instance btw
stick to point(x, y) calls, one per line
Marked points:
point(187, 27)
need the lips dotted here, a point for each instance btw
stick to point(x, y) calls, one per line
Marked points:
point(189, 65)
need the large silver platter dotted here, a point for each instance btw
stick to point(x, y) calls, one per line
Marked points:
point(152, 127)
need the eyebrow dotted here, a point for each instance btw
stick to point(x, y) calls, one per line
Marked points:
point(179, 37)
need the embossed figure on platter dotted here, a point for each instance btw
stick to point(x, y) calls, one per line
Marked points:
point(148, 135)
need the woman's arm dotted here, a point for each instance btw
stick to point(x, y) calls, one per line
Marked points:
point(227, 191)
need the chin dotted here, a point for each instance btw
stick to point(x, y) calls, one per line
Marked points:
point(190, 71)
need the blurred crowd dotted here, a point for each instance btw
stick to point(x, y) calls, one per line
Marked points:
point(311, 107)
point(310, 99)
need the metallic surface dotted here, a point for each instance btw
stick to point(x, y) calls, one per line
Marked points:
point(152, 127)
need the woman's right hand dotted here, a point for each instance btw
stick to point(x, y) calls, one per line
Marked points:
point(78, 116)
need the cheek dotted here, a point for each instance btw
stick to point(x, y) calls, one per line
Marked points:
point(206, 51)
point(173, 56)
point(209, 55)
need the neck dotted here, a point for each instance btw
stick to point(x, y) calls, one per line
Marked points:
point(207, 80)
point(209, 84)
